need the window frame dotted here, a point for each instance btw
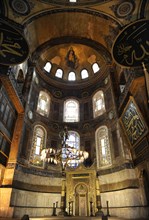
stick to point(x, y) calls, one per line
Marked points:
point(94, 67)
point(95, 100)
point(41, 111)
point(33, 155)
point(82, 77)
point(103, 160)
point(75, 144)
point(70, 76)
point(62, 72)
point(77, 119)
point(49, 67)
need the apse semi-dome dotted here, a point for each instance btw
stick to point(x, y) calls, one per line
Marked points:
point(71, 63)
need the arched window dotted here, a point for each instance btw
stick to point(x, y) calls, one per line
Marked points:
point(43, 105)
point(71, 76)
point(38, 143)
point(59, 73)
point(98, 104)
point(73, 141)
point(48, 67)
point(84, 74)
point(73, 1)
point(95, 67)
point(103, 147)
point(71, 111)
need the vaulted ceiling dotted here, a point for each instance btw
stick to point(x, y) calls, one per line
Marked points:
point(90, 27)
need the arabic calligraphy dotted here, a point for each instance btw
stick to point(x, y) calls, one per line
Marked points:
point(8, 48)
point(13, 47)
point(131, 47)
point(133, 123)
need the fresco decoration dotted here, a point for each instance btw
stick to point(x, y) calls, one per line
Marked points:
point(133, 122)
point(113, 32)
point(71, 59)
point(57, 94)
point(124, 9)
point(55, 126)
point(14, 48)
point(20, 7)
point(85, 94)
point(131, 46)
point(86, 126)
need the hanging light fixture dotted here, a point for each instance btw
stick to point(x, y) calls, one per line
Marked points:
point(66, 156)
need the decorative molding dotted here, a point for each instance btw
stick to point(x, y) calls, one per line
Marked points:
point(77, 3)
point(38, 171)
point(20, 7)
point(126, 184)
point(71, 10)
point(124, 9)
point(57, 94)
point(115, 169)
point(35, 187)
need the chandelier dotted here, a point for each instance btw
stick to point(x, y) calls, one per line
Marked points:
point(66, 155)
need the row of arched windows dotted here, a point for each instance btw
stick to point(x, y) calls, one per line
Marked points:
point(103, 153)
point(71, 75)
point(71, 106)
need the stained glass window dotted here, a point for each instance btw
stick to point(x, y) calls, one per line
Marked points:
point(103, 147)
point(71, 110)
point(72, 141)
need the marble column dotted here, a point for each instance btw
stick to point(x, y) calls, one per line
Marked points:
point(63, 200)
point(98, 199)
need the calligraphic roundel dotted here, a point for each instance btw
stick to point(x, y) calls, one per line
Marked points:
point(14, 48)
point(131, 46)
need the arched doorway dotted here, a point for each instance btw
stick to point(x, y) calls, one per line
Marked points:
point(81, 200)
